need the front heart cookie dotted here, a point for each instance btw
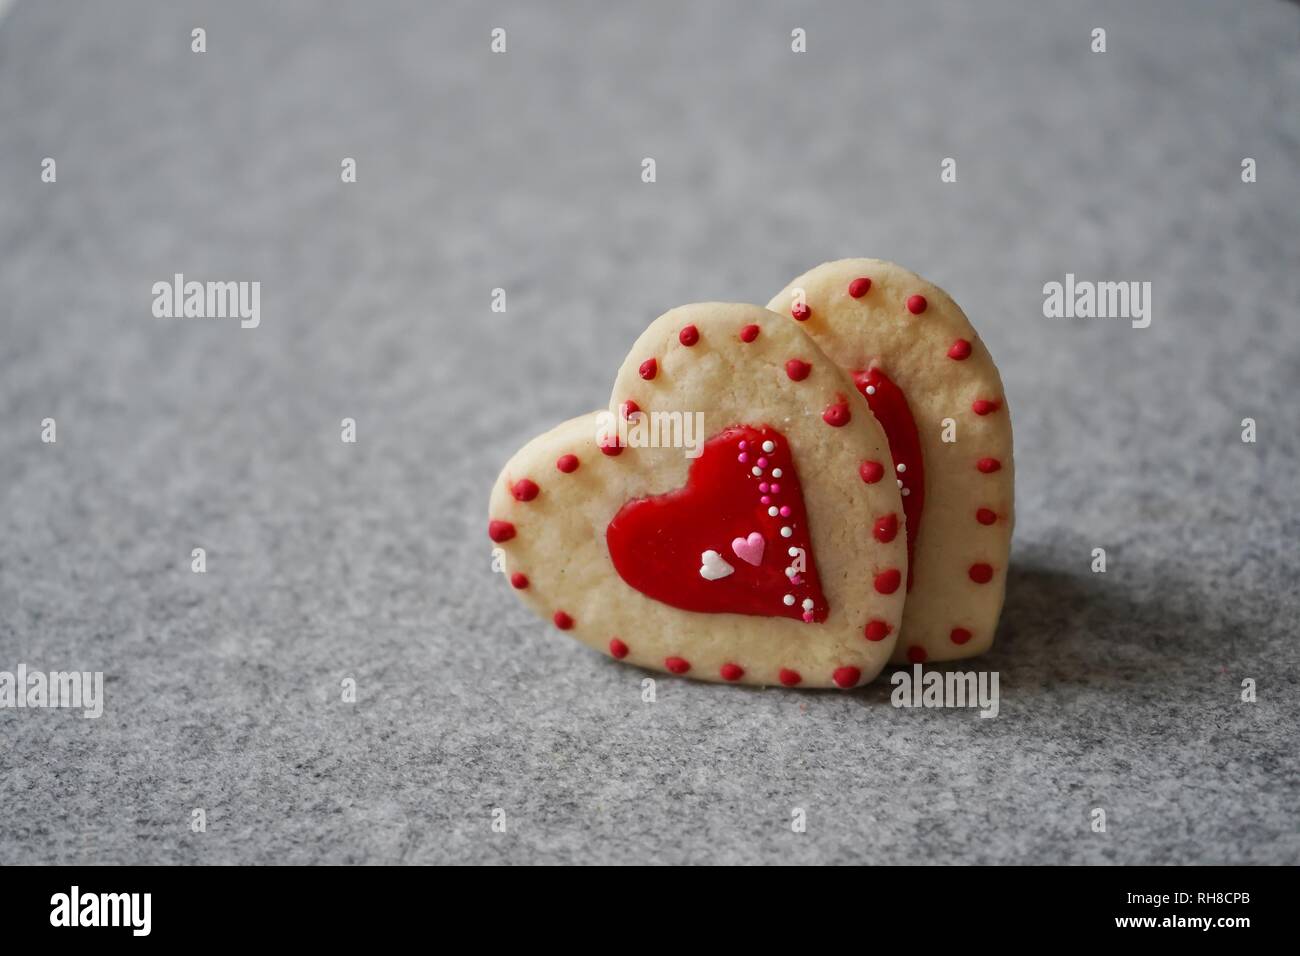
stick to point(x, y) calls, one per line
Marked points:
point(708, 523)
point(933, 386)
point(745, 478)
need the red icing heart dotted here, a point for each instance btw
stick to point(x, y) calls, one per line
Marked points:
point(657, 543)
point(889, 405)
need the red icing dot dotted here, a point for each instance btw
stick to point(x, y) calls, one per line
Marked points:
point(982, 406)
point(611, 447)
point(749, 333)
point(731, 671)
point(649, 369)
point(788, 677)
point(628, 409)
point(988, 465)
point(886, 528)
point(797, 369)
point(916, 304)
point(981, 573)
point(887, 581)
point(567, 463)
point(689, 335)
point(916, 654)
point(877, 630)
point(500, 531)
point(801, 311)
point(960, 350)
point(617, 648)
point(562, 620)
point(524, 490)
point(846, 676)
point(871, 471)
point(519, 581)
point(859, 287)
point(986, 516)
point(677, 665)
point(960, 635)
point(837, 415)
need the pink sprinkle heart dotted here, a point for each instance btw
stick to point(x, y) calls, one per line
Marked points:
point(749, 550)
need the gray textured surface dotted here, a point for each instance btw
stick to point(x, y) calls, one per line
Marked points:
point(522, 171)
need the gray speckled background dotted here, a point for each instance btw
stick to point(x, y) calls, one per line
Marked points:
point(327, 561)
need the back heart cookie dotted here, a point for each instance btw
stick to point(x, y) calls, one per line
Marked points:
point(708, 523)
point(934, 388)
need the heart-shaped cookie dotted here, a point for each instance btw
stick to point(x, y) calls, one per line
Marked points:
point(710, 522)
point(933, 386)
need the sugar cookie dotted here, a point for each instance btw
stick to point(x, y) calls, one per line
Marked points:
point(739, 557)
point(933, 386)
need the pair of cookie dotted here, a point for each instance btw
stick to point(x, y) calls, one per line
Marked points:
point(793, 495)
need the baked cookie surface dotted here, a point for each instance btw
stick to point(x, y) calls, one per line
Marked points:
point(933, 386)
point(716, 521)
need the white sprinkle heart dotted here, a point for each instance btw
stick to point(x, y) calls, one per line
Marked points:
point(749, 549)
point(713, 567)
